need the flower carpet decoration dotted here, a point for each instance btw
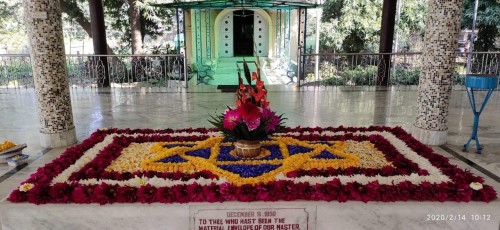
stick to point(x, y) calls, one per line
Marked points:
point(199, 165)
point(251, 119)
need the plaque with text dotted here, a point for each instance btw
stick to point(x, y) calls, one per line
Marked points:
point(252, 218)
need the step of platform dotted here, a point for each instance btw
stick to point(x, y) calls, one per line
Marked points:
point(226, 70)
point(298, 215)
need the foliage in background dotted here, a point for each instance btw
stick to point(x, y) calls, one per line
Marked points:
point(333, 76)
point(411, 25)
point(487, 22)
point(366, 75)
point(12, 31)
point(405, 76)
point(154, 20)
point(361, 75)
point(348, 25)
point(353, 26)
point(357, 24)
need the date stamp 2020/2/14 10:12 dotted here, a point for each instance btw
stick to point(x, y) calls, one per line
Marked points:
point(458, 217)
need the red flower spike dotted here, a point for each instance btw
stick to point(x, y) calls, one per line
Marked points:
point(264, 104)
point(260, 97)
point(241, 85)
point(260, 84)
point(249, 111)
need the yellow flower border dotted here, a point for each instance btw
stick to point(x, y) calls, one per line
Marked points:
point(289, 163)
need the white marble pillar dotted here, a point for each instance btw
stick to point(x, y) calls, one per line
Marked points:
point(44, 27)
point(440, 42)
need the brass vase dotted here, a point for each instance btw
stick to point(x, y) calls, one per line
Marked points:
point(247, 149)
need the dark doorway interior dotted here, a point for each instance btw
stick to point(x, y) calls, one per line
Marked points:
point(243, 32)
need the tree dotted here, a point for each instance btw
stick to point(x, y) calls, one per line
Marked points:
point(358, 23)
point(8, 10)
point(134, 17)
point(411, 25)
point(74, 12)
point(487, 23)
point(12, 30)
point(153, 21)
point(354, 25)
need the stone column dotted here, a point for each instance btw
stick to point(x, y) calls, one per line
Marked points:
point(438, 63)
point(44, 27)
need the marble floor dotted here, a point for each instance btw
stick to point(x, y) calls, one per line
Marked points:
point(159, 108)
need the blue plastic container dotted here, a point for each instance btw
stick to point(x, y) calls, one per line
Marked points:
point(481, 81)
point(478, 82)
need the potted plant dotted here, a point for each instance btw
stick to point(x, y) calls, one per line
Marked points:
point(251, 120)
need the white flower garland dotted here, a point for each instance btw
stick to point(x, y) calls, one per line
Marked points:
point(155, 182)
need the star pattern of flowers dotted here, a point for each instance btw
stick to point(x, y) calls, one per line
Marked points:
point(280, 161)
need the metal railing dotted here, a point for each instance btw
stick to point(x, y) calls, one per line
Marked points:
point(335, 69)
point(362, 69)
point(90, 70)
point(15, 71)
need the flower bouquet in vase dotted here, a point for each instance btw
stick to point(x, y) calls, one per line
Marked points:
point(251, 120)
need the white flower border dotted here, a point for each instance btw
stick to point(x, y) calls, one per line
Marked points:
point(435, 175)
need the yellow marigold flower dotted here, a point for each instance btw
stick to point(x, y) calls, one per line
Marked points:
point(6, 145)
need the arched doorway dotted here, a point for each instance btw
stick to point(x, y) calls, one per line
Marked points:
point(243, 23)
point(243, 33)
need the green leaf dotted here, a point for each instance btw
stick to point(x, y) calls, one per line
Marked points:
point(246, 70)
point(243, 131)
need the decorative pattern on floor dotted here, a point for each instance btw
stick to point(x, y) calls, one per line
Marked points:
point(198, 165)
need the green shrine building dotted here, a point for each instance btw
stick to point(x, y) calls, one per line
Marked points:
point(216, 34)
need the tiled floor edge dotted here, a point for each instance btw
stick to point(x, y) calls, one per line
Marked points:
point(471, 163)
point(18, 168)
